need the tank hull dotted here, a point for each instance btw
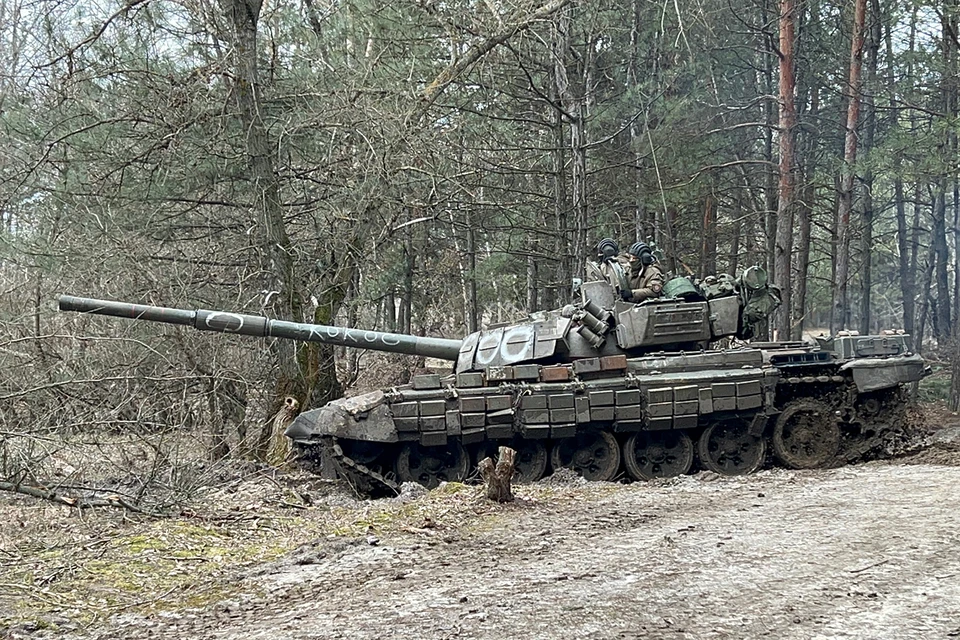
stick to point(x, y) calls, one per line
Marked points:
point(651, 416)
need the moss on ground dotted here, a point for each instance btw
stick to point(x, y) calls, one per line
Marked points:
point(152, 565)
point(147, 566)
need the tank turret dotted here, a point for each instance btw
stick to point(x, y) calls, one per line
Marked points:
point(598, 324)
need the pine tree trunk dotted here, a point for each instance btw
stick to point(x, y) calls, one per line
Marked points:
point(905, 269)
point(276, 267)
point(802, 252)
point(407, 292)
point(807, 141)
point(643, 221)
point(573, 107)
point(708, 247)
point(768, 222)
point(870, 127)
point(939, 240)
point(783, 247)
point(949, 23)
point(841, 302)
point(924, 310)
point(668, 224)
point(564, 270)
point(769, 225)
point(472, 312)
point(532, 284)
point(735, 231)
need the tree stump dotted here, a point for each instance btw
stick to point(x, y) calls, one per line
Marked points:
point(278, 446)
point(497, 478)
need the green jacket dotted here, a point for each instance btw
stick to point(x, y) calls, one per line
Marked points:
point(646, 282)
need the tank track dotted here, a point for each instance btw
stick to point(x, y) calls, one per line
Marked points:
point(364, 481)
point(883, 429)
point(870, 426)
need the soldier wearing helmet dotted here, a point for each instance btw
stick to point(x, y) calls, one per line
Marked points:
point(646, 278)
point(610, 266)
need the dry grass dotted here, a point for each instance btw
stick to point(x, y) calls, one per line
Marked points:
point(63, 569)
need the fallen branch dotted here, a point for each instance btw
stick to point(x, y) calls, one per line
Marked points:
point(869, 566)
point(78, 502)
point(34, 592)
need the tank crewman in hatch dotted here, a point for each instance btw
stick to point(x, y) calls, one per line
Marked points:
point(610, 266)
point(646, 278)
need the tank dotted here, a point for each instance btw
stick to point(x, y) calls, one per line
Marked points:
point(604, 387)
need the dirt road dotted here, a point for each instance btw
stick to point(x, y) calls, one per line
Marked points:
point(870, 551)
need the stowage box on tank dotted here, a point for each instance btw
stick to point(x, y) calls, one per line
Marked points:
point(599, 386)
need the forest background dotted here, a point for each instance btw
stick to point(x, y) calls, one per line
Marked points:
point(427, 167)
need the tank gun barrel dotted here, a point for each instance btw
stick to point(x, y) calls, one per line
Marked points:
point(259, 326)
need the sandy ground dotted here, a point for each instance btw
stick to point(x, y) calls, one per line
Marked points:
point(867, 551)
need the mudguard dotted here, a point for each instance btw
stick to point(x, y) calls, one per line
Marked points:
point(871, 374)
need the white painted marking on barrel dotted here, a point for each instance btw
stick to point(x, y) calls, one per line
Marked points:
point(213, 317)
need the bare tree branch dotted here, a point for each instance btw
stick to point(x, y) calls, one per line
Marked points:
point(477, 51)
point(96, 33)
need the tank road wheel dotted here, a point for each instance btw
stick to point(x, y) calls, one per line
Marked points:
point(658, 454)
point(530, 462)
point(432, 465)
point(869, 407)
point(806, 435)
point(595, 455)
point(728, 448)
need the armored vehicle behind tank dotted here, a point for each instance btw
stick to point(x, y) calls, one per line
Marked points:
point(599, 386)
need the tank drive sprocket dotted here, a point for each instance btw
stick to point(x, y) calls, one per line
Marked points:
point(363, 480)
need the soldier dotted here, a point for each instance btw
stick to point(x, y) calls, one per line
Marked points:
point(646, 278)
point(610, 266)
